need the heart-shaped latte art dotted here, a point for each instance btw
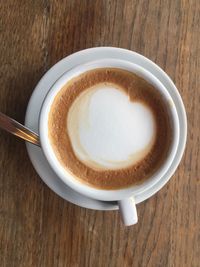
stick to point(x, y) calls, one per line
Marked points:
point(107, 130)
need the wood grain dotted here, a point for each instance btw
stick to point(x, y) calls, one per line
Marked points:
point(37, 228)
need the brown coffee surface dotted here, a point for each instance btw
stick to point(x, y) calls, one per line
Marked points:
point(138, 90)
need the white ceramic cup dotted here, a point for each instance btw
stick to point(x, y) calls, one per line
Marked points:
point(125, 196)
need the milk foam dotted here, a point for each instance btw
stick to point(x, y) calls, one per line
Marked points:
point(107, 130)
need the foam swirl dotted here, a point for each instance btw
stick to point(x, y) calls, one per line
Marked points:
point(107, 130)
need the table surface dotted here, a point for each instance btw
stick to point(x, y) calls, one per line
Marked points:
point(38, 228)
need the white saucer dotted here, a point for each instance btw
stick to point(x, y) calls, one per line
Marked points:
point(32, 114)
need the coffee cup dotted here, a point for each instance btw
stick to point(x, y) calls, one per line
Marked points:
point(124, 196)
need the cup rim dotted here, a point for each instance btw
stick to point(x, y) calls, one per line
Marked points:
point(67, 177)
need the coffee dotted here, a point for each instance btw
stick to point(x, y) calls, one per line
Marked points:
point(110, 128)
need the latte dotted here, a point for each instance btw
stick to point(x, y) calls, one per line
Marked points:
point(110, 128)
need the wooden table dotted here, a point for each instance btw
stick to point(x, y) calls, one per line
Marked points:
point(38, 228)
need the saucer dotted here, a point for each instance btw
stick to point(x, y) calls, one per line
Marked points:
point(32, 116)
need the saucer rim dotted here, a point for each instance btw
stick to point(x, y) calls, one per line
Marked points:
point(121, 52)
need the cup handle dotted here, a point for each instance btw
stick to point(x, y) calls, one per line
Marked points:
point(128, 211)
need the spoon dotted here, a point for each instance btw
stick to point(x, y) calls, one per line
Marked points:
point(16, 128)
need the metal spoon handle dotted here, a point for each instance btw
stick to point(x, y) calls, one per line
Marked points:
point(18, 129)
